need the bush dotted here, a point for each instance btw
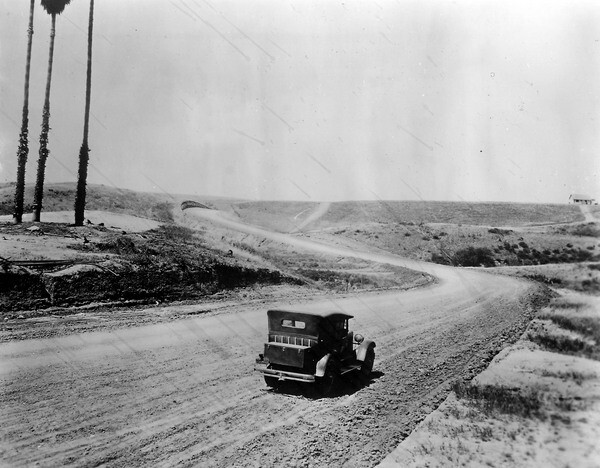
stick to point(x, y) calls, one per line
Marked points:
point(544, 279)
point(592, 285)
point(491, 399)
point(562, 343)
point(502, 232)
point(587, 230)
point(175, 232)
point(439, 258)
point(474, 256)
point(585, 325)
point(162, 212)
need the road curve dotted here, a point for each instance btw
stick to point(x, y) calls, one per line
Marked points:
point(183, 393)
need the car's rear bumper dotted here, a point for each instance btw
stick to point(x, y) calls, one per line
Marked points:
point(283, 374)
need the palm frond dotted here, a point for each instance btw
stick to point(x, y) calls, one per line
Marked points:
point(54, 7)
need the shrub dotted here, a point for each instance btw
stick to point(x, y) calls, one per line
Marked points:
point(162, 212)
point(492, 398)
point(439, 258)
point(585, 325)
point(592, 285)
point(544, 279)
point(523, 254)
point(562, 343)
point(587, 230)
point(502, 232)
point(582, 255)
point(576, 376)
point(474, 256)
point(175, 232)
point(122, 245)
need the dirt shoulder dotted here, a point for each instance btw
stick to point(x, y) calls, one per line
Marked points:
point(537, 404)
point(55, 322)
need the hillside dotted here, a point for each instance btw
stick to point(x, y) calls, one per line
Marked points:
point(132, 250)
point(61, 196)
point(505, 234)
point(343, 214)
point(176, 260)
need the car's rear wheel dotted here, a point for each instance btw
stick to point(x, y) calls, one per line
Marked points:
point(272, 382)
point(328, 383)
point(367, 365)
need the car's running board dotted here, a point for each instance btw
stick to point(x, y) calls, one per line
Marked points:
point(350, 368)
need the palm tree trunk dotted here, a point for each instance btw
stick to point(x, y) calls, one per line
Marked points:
point(44, 152)
point(23, 150)
point(84, 152)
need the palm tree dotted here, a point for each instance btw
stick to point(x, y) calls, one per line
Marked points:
point(53, 8)
point(23, 150)
point(84, 151)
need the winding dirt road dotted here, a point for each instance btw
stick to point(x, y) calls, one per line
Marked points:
point(184, 393)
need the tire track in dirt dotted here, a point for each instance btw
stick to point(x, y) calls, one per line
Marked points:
point(318, 213)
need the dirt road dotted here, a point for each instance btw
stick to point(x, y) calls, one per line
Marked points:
point(184, 392)
point(587, 213)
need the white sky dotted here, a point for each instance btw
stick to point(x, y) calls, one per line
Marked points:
point(316, 100)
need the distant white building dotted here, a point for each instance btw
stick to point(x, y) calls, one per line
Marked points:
point(579, 199)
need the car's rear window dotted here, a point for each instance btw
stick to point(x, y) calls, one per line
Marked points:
point(293, 323)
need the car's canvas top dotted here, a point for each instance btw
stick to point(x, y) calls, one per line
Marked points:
point(330, 314)
point(304, 323)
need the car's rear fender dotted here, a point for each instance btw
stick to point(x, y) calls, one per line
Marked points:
point(361, 351)
point(322, 365)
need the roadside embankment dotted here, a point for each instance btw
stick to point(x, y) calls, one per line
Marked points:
point(537, 404)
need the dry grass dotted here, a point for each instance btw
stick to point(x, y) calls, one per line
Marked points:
point(584, 277)
point(582, 326)
point(563, 344)
point(586, 325)
point(492, 399)
point(573, 375)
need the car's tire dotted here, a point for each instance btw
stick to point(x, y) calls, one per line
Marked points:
point(367, 366)
point(327, 384)
point(272, 382)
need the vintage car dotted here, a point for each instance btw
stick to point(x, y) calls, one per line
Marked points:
point(315, 348)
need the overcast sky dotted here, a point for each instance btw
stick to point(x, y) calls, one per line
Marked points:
point(316, 100)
